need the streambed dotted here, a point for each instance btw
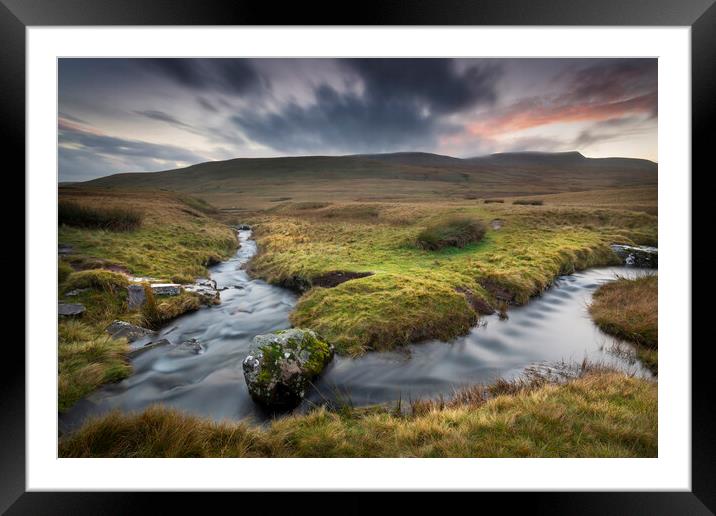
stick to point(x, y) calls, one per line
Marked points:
point(553, 327)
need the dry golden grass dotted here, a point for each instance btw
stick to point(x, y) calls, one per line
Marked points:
point(634, 199)
point(601, 414)
point(87, 359)
point(628, 308)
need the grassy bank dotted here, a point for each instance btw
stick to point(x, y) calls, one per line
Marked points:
point(111, 235)
point(177, 238)
point(601, 414)
point(628, 309)
point(416, 291)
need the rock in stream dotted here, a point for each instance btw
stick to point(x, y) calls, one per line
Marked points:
point(280, 366)
point(637, 256)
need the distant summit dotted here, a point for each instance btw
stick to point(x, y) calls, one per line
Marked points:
point(412, 158)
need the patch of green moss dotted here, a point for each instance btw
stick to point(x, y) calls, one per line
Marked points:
point(305, 343)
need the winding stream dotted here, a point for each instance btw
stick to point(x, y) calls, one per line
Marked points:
point(551, 328)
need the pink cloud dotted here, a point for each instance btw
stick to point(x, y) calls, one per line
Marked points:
point(534, 112)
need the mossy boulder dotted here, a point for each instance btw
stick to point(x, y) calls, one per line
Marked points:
point(280, 365)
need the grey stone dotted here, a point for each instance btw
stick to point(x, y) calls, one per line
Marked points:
point(131, 332)
point(637, 256)
point(189, 347)
point(206, 282)
point(166, 289)
point(64, 249)
point(70, 309)
point(135, 296)
point(208, 293)
point(497, 224)
point(281, 365)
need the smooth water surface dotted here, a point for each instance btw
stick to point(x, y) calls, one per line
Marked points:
point(551, 328)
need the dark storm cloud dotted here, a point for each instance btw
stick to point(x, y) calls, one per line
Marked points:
point(120, 147)
point(163, 117)
point(206, 105)
point(401, 106)
point(233, 76)
point(613, 80)
point(435, 83)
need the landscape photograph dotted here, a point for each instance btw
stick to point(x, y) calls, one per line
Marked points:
point(357, 257)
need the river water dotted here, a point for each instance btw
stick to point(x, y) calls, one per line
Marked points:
point(554, 327)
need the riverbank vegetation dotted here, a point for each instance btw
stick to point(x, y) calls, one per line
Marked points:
point(417, 293)
point(87, 358)
point(599, 414)
point(628, 309)
point(177, 237)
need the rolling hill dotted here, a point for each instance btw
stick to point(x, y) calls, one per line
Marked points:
point(397, 176)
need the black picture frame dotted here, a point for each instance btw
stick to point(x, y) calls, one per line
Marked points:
point(17, 15)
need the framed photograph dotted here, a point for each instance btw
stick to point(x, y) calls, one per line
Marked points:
point(417, 250)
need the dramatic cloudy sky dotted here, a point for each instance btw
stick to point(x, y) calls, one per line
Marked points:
point(132, 115)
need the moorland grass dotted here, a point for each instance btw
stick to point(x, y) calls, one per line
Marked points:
point(416, 294)
point(177, 236)
point(97, 279)
point(87, 359)
point(601, 414)
point(528, 202)
point(95, 217)
point(64, 270)
point(628, 309)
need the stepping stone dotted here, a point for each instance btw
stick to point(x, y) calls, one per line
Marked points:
point(70, 309)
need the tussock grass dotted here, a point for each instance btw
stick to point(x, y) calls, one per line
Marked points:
point(97, 279)
point(166, 308)
point(628, 309)
point(93, 217)
point(87, 359)
point(63, 271)
point(453, 232)
point(601, 414)
point(527, 202)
